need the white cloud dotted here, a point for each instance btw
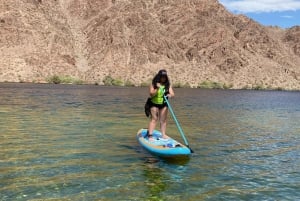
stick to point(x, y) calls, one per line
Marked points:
point(253, 6)
point(287, 16)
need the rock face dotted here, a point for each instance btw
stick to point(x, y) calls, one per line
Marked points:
point(195, 40)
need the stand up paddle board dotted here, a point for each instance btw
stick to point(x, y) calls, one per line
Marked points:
point(161, 147)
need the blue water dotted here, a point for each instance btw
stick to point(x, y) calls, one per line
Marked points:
point(66, 142)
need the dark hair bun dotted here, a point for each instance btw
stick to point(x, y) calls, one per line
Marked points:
point(162, 72)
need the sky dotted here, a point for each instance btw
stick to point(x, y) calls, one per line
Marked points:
point(282, 13)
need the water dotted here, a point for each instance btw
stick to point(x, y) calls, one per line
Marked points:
point(66, 142)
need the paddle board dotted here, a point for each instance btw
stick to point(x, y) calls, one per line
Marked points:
point(161, 147)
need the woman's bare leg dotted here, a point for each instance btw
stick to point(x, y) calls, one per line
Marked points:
point(163, 113)
point(154, 117)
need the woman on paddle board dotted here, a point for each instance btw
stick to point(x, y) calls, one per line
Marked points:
point(158, 107)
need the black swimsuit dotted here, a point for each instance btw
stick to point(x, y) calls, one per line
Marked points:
point(159, 106)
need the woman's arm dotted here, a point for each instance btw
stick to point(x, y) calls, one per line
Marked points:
point(152, 90)
point(171, 92)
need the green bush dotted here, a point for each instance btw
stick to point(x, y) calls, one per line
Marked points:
point(145, 84)
point(109, 81)
point(117, 82)
point(258, 87)
point(180, 85)
point(128, 83)
point(229, 86)
point(55, 79)
point(214, 85)
point(210, 85)
point(279, 89)
point(77, 81)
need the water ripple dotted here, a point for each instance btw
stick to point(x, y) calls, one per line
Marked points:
point(65, 142)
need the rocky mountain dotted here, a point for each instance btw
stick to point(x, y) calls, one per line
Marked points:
point(130, 40)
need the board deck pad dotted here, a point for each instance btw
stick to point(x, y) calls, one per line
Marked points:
point(158, 140)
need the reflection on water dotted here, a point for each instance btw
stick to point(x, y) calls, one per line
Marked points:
point(65, 142)
point(155, 181)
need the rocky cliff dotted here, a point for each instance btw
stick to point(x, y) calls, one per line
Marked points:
point(195, 40)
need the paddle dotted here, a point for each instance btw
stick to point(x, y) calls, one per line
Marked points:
point(177, 123)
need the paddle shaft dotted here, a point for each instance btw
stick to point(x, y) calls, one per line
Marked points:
point(177, 123)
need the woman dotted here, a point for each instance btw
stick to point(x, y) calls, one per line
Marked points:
point(160, 86)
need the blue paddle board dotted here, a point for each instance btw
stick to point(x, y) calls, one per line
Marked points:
point(161, 147)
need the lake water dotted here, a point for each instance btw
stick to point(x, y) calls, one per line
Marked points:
point(70, 142)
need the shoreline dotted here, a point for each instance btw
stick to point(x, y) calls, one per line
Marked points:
point(214, 87)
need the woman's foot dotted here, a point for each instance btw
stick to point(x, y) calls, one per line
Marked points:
point(165, 137)
point(149, 136)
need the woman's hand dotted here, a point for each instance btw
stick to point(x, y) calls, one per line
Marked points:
point(171, 92)
point(169, 95)
point(152, 90)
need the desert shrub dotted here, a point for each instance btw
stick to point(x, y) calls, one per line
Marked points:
point(128, 83)
point(210, 85)
point(180, 85)
point(227, 86)
point(279, 89)
point(109, 81)
point(146, 83)
point(55, 79)
point(77, 81)
point(117, 82)
point(258, 87)
point(214, 85)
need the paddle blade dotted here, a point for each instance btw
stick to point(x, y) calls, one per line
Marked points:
point(192, 151)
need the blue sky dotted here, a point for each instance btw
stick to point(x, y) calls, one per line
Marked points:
point(282, 13)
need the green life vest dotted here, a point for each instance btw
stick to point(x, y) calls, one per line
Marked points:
point(158, 98)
